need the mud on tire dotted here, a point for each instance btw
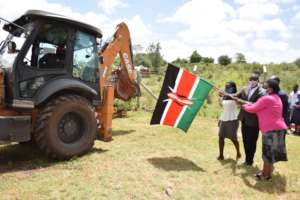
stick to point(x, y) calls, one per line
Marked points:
point(66, 127)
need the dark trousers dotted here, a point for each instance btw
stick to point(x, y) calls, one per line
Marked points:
point(250, 136)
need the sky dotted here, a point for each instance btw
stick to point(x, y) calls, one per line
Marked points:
point(263, 30)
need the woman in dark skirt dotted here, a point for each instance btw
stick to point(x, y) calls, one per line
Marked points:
point(228, 123)
point(296, 115)
point(271, 123)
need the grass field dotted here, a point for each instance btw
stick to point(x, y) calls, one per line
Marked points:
point(146, 162)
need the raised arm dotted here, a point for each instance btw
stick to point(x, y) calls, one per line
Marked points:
point(257, 106)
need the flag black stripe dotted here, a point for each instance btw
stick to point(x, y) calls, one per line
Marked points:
point(169, 81)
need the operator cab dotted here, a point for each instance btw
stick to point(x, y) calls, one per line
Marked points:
point(52, 54)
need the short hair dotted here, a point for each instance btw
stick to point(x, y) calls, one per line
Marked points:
point(295, 88)
point(276, 78)
point(232, 85)
point(13, 45)
point(272, 83)
point(254, 77)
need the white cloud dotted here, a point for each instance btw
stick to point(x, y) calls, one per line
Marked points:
point(212, 27)
point(14, 8)
point(172, 49)
point(250, 1)
point(286, 1)
point(271, 45)
point(297, 15)
point(215, 27)
point(258, 10)
point(109, 6)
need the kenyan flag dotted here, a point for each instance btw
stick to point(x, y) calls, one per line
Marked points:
point(181, 97)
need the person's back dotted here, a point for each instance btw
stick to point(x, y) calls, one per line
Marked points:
point(285, 106)
point(269, 112)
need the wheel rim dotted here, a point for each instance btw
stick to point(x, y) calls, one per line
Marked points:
point(71, 127)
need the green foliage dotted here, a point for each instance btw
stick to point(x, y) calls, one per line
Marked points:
point(117, 61)
point(123, 105)
point(142, 59)
point(195, 57)
point(155, 57)
point(207, 60)
point(297, 62)
point(224, 60)
point(240, 58)
point(180, 61)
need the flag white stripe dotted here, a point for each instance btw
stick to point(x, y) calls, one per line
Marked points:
point(180, 116)
point(189, 97)
point(170, 101)
point(194, 88)
point(178, 80)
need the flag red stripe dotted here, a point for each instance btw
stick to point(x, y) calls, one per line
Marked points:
point(186, 83)
point(184, 87)
point(172, 114)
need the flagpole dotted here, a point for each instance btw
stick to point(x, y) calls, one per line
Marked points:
point(148, 90)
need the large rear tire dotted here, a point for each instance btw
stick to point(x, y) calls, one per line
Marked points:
point(66, 127)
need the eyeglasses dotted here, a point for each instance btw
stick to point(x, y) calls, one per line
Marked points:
point(253, 79)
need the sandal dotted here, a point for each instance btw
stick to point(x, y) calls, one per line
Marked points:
point(261, 177)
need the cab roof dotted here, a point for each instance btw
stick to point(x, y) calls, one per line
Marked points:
point(39, 14)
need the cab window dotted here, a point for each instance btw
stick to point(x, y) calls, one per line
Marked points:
point(48, 51)
point(85, 59)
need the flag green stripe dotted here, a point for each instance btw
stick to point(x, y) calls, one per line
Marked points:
point(199, 96)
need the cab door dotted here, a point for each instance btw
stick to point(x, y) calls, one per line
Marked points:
point(45, 56)
point(85, 62)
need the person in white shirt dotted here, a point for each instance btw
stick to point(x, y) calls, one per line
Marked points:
point(293, 95)
point(7, 59)
point(228, 122)
point(293, 98)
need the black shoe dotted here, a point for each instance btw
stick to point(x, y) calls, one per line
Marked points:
point(260, 177)
point(248, 164)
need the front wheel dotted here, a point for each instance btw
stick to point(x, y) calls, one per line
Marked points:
point(66, 127)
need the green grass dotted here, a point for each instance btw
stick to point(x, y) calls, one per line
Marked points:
point(147, 162)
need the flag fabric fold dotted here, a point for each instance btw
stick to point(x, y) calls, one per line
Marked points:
point(180, 99)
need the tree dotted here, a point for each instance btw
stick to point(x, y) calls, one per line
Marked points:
point(142, 59)
point(208, 60)
point(180, 61)
point(240, 58)
point(155, 56)
point(195, 57)
point(224, 60)
point(297, 62)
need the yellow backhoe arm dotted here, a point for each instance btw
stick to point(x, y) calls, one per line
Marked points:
point(124, 78)
point(123, 85)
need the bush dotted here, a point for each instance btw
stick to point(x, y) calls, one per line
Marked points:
point(123, 105)
point(297, 62)
point(224, 60)
point(195, 57)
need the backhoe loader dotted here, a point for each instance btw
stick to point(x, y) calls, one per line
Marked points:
point(56, 83)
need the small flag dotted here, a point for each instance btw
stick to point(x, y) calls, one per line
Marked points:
point(180, 99)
